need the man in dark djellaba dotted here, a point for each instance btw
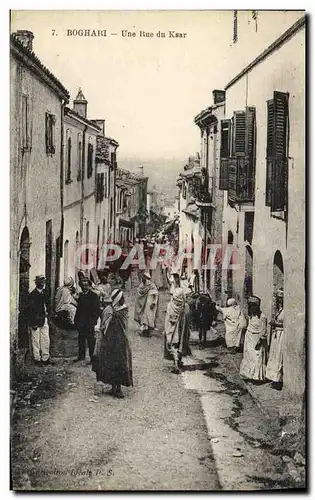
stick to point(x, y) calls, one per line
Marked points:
point(112, 356)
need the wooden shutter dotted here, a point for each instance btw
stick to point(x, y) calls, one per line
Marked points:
point(280, 152)
point(239, 133)
point(232, 180)
point(47, 121)
point(69, 160)
point(52, 134)
point(246, 165)
point(25, 124)
point(224, 154)
point(269, 150)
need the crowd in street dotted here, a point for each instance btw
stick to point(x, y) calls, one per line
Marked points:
point(97, 310)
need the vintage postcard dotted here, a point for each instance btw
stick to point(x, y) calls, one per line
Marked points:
point(157, 279)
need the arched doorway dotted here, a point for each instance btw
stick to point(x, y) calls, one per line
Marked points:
point(66, 261)
point(24, 283)
point(248, 278)
point(278, 276)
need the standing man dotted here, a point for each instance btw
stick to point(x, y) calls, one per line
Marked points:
point(146, 305)
point(176, 331)
point(88, 311)
point(38, 322)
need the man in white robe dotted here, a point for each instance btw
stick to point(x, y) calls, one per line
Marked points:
point(65, 301)
point(146, 305)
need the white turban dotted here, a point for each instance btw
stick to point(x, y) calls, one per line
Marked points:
point(230, 302)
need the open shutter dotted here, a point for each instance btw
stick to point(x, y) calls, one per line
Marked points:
point(224, 154)
point(246, 165)
point(280, 152)
point(25, 124)
point(239, 133)
point(47, 132)
point(269, 150)
point(232, 194)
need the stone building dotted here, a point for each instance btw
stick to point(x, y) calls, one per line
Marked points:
point(212, 130)
point(79, 203)
point(106, 169)
point(36, 109)
point(263, 174)
point(191, 182)
point(126, 206)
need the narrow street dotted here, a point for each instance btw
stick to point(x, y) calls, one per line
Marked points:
point(196, 431)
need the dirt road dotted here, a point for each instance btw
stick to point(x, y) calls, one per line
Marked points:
point(155, 438)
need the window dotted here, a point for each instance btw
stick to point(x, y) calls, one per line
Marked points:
point(277, 152)
point(25, 123)
point(90, 161)
point(50, 133)
point(243, 160)
point(79, 161)
point(69, 146)
point(235, 26)
point(113, 159)
point(249, 227)
point(99, 188)
point(184, 190)
point(224, 154)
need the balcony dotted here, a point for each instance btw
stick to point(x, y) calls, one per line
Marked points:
point(241, 183)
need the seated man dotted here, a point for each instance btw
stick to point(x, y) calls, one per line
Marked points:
point(65, 303)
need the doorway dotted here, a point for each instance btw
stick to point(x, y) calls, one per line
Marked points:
point(24, 283)
point(278, 277)
point(248, 278)
point(48, 258)
point(66, 261)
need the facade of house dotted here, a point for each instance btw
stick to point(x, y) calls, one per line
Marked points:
point(191, 182)
point(106, 168)
point(263, 178)
point(79, 204)
point(37, 101)
point(126, 205)
point(212, 130)
point(141, 204)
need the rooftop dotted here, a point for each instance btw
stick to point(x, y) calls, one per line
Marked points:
point(29, 58)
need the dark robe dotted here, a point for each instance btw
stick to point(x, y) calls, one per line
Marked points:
point(112, 356)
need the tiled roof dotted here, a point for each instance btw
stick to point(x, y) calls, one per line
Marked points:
point(18, 49)
point(102, 148)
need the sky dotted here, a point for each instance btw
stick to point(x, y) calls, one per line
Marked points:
point(148, 89)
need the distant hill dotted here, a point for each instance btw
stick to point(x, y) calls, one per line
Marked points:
point(162, 172)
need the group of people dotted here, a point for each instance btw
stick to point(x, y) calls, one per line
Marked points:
point(262, 350)
point(100, 315)
point(84, 307)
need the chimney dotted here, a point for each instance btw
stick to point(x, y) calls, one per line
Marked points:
point(101, 125)
point(80, 104)
point(218, 96)
point(26, 37)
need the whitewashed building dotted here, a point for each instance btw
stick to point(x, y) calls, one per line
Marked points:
point(263, 172)
point(79, 204)
point(36, 109)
